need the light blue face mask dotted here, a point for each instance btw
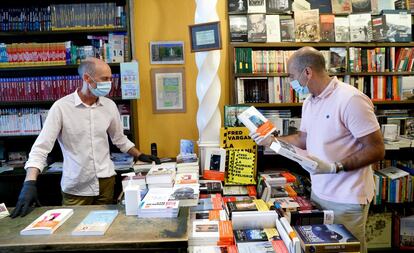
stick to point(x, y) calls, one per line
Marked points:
point(300, 89)
point(102, 88)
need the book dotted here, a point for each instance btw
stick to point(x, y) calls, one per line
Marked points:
point(238, 28)
point(341, 6)
point(327, 28)
point(360, 27)
point(230, 115)
point(393, 173)
point(307, 28)
point(361, 6)
point(186, 194)
point(398, 25)
point(294, 153)
point(406, 232)
point(256, 122)
point(256, 28)
point(256, 6)
point(210, 186)
point(256, 247)
point(3, 211)
point(324, 6)
point(311, 217)
point(287, 29)
point(341, 29)
point(215, 164)
point(278, 6)
point(378, 230)
point(378, 28)
point(338, 60)
point(250, 235)
point(272, 28)
point(48, 222)
point(326, 238)
point(237, 6)
point(96, 222)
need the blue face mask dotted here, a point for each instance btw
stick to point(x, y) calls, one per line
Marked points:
point(300, 89)
point(102, 88)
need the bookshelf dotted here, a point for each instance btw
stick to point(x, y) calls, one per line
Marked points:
point(91, 39)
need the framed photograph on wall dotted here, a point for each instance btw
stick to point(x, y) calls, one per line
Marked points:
point(205, 37)
point(168, 90)
point(167, 52)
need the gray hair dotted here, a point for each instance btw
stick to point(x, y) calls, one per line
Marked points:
point(87, 66)
point(308, 57)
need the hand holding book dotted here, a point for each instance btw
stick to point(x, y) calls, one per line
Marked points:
point(323, 167)
point(262, 140)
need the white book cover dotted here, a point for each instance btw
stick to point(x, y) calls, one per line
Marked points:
point(256, 122)
point(341, 29)
point(255, 247)
point(360, 27)
point(96, 222)
point(215, 160)
point(156, 198)
point(273, 28)
point(390, 132)
point(256, 6)
point(205, 229)
point(48, 222)
point(294, 153)
point(300, 5)
point(186, 178)
point(393, 173)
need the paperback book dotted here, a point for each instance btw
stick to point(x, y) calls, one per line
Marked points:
point(256, 122)
point(256, 28)
point(48, 222)
point(294, 153)
point(96, 222)
point(287, 29)
point(238, 28)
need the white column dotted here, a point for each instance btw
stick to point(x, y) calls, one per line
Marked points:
point(208, 85)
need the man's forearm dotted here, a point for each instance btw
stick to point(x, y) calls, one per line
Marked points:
point(134, 152)
point(298, 140)
point(32, 173)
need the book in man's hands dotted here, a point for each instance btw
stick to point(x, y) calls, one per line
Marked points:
point(96, 222)
point(48, 222)
point(294, 153)
point(256, 122)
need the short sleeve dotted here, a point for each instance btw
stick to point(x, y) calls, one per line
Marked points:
point(359, 116)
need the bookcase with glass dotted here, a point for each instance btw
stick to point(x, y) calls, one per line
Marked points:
point(367, 44)
point(41, 47)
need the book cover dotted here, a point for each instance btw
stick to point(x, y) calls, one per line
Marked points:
point(48, 222)
point(273, 28)
point(241, 167)
point(398, 25)
point(240, 206)
point(256, 122)
point(259, 247)
point(341, 6)
point(406, 232)
point(278, 6)
point(378, 230)
point(256, 28)
point(237, 6)
point(360, 27)
point(311, 217)
point(307, 27)
point(238, 28)
point(250, 235)
point(361, 6)
point(324, 6)
point(393, 173)
point(96, 222)
point(327, 28)
point(341, 29)
point(256, 6)
point(338, 60)
point(215, 161)
point(230, 115)
point(210, 186)
point(326, 238)
point(287, 30)
point(294, 153)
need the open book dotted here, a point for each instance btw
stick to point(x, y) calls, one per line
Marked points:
point(294, 153)
point(256, 122)
point(48, 222)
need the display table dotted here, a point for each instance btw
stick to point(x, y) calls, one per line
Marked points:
point(126, 233)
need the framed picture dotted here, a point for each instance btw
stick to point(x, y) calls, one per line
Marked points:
point(167, 52)
point(205, 37)
point(168, 90)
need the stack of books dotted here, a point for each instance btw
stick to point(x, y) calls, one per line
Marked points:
point(157, 203)
point(161, 176)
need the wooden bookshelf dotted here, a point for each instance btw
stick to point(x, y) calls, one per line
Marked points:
point(320, 44)
point(402, 73)
point(83, 30)
point(12, 68)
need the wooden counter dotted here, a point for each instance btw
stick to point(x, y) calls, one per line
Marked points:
point(126, 233)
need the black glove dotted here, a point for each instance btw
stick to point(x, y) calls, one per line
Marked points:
point(28, 196)
point(149, 158)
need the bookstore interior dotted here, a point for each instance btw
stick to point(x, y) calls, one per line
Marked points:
point(207, 126)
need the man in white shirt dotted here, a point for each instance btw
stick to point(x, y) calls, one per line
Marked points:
point(81, 122)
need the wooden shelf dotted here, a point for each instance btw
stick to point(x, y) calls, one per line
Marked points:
point(321, 44)
point(62, 32)
point(403, 73)
point(43, 67)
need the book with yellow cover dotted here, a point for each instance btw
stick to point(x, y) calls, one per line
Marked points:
point(48, 222)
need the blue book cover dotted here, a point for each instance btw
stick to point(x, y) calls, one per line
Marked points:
point(96, 222)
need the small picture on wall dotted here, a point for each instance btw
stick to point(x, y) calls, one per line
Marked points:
point(167, 52)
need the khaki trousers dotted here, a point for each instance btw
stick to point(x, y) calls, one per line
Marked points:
point(105, 197)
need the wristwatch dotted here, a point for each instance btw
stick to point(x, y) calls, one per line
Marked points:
point(339, 167)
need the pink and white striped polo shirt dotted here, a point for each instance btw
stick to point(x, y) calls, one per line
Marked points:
point(333, 121)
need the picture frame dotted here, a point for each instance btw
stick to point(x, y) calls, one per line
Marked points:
point(167, 52)
point(168, 90)
point(205, 36)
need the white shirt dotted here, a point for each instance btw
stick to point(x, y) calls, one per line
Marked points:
point(82, 132)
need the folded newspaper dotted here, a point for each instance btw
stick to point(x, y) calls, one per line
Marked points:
point(294, 153)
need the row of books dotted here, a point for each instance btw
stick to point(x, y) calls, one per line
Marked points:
point(44, 88)
point(108, 48)
point(95, 223)
point(309, 26)
point(325, 6)
point(62, 16)
point(22, 121)
point(382, 59)
point(232, 111)
point(393, 185)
